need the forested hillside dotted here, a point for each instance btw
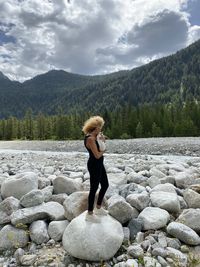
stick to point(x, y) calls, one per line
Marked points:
point(173, 79)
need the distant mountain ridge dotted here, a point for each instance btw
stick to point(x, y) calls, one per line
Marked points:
point(169, 79)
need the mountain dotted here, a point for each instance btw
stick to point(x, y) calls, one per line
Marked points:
point(169, 79)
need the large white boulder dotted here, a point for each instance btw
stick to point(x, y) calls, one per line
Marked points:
point(19, 185)
point(93, 241)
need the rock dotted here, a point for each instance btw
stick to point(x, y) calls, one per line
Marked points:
point(184, 179)
point(12, 238)
point(113, 170)
point(43, 182)
point(135, 226)
point(178, 257)
point(135, 251)
point(191, 218)
point(183, 233)
point(32, 198)
point(28, 260)
point(162, 240)
point(47, 192)
point(149, 262)
point(131, 263)
point(19, 185)
point(93, 241)
point(127, 189)
point(195, 187)
point(75, 204)
point(48, 170)
point(134, 177)
point(75, 175)
point(164, 188)
point(153, 181)
point(51, 210)
point(192, 198)
point(138, 200)
point(63, 184)
point(7, 207)
point(60, 198)
point(165, 200)
point(154, 218)
point(120, 209)
point(56, 229)
point(156, 172)
point(117, 178)
point(126, 231)
point(173, 243)
point(18, 254)
point(38, 232)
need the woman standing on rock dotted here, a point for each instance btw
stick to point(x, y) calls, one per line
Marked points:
point(92, 128)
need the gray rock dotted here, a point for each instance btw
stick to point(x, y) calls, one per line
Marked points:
point(60, 198)
point(63, 184)
point(159, 252)
point(164, 188)
point(28, 260)
point(75, 204)
point(56, 229)
point(184, 179)
point(32, 198)
point(47, 192)
point(126, 231)
point(38, 232)
point(80, 242)
point(50, 210)
point(135, 251)
point(7, 207)
point(154, 218)
point(138, 200)
point(134, 177)
point(156, 172)
point(149, 262)
point(165, 200)
point(131, 263)
point(153, 181)
point(192, 198)
point(19, 185)
point(191, 218)
point(178, 257)
point(43, 182)
point(117, 178)
point(184, 233)
point(12, 238)
point(120, 209)
point(173, 243)
point(135, 226)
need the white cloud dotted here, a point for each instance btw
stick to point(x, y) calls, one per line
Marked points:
point(90, 37)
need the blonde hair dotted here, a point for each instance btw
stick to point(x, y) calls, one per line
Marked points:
point(92, 123)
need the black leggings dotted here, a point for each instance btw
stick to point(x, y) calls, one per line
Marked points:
point(97, 176)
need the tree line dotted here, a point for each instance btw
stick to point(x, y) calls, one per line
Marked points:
point(146, 120)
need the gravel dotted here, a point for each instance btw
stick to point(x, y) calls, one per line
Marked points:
point(188, 146)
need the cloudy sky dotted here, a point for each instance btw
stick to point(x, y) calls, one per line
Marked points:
point(92, 36)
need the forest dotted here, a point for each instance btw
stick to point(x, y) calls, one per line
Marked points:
point(147, 120)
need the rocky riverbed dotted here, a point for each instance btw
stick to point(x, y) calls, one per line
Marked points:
point(153, 201)
point(155, 146)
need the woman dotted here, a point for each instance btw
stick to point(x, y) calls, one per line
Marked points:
point(92, 127)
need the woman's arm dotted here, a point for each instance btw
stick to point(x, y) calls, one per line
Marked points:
point(92, 145)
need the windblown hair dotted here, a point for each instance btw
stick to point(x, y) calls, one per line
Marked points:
point(92, 123)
